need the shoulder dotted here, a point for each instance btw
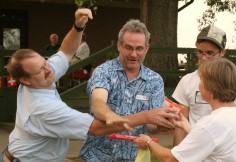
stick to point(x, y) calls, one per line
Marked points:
point(110, 65)
point(149, 74)
point(192, 75)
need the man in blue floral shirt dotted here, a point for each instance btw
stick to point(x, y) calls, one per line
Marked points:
point(121, 87)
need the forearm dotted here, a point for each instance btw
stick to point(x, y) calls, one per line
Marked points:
point(71, 42)
point(100, 109)
point(179, 135)
point(162, 153)
point(146, 117)
point(137, 119)
point(99, 128)
point(187, 127)
point(182, 128)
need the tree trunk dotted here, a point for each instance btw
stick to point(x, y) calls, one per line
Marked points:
point(161, 18)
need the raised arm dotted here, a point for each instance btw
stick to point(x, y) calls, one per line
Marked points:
point(73, 38)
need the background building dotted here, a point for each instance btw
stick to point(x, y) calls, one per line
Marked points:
point(35, 20)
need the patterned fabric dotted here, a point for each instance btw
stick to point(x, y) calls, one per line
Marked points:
point(125, 97)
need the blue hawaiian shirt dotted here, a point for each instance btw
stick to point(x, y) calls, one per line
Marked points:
point(125, 97)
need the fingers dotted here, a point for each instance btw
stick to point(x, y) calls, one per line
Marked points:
point(167, 124)
point(114, 119)
point(176, 123)
point(141, 141)
point(127, 127)
point(84, 12)
point(173, 110)
point(82, 15)
point(171, 113)
point(90, 15)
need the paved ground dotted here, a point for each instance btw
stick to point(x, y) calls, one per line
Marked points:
point(75, 145)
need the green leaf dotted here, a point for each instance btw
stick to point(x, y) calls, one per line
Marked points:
point(91, 4)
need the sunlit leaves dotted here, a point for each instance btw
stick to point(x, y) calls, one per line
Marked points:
point(216, 6)
point(91, 4)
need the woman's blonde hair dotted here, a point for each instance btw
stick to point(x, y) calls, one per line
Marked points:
point(219, 78)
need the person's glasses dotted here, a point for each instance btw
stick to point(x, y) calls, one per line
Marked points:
point(46, 66)
point(207, 54)
point(130, 49)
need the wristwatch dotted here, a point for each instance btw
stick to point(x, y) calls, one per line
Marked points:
point(78, 28)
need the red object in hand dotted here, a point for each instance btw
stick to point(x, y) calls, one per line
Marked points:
point(173, 104)
point(127, 137)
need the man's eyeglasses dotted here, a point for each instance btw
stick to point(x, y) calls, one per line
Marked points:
point(207, 54)
point(129, 49)
point(45, 66)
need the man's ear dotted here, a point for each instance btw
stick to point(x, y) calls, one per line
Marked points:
point(222, 53)
point(147, 47)
point(118, 45)
point(24, 81)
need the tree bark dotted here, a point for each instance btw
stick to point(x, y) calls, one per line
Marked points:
point(161, 18)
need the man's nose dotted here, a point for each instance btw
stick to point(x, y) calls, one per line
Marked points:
point(134, 53)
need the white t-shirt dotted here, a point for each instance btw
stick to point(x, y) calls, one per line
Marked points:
point(83, 51)
point(212, 139)
point(188, 94)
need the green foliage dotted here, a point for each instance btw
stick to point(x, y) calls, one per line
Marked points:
point(215, 6)
point(208, 17)
point(91, 4)
point(221, 6)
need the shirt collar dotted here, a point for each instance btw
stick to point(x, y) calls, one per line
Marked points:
point(142, 72)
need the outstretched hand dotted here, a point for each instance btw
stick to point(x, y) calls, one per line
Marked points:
point(81, 17)
point(162, 116)
point(114, 119)
point(182, 123)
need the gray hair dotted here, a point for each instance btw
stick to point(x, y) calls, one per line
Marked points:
point(134, 26)
point(54, 35)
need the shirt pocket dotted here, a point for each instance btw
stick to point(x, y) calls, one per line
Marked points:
point(142, 101)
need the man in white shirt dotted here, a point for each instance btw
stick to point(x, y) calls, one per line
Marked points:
point(210, 43)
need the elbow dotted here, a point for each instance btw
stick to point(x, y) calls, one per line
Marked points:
point(97, 128)
point(103, 132)
point(96, 132)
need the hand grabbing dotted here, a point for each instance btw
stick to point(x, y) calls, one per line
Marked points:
point(142, 141)
point(114, 119)
point(182, 123)
point(81, 17)
point(162, 116)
